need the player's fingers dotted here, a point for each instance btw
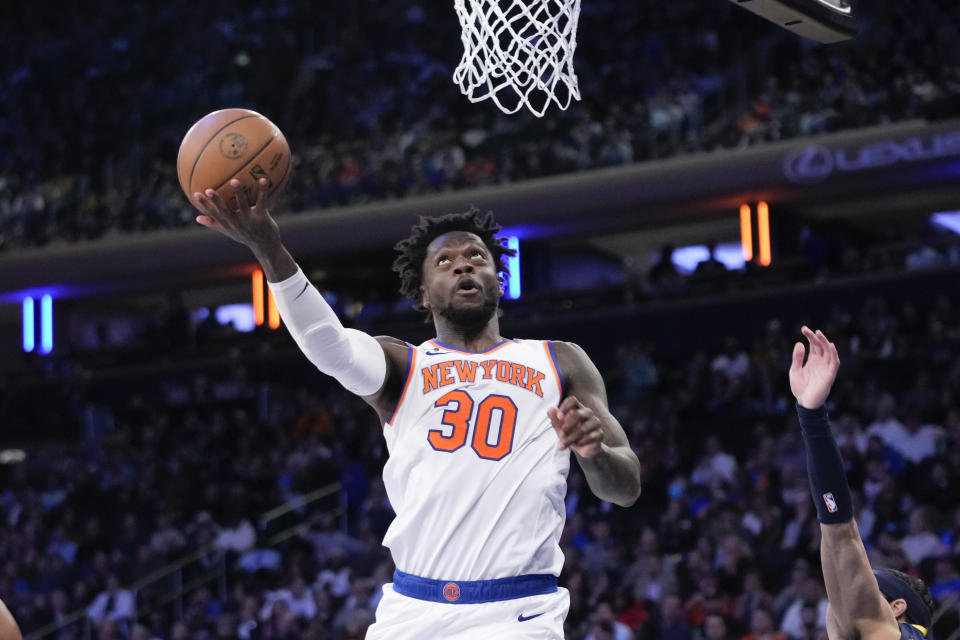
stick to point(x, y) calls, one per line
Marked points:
point(834, 354)
point(262, 192)
point(571, 420)
point(816, 346)
point(797, 359)
point(211, 223)
point(591, 433)
point(824, 343)
point(221, 205)
point(580, 430)
point(569, 403)
point(567, 430)
point(556, 417)
point(240, 193)
point(209, 209)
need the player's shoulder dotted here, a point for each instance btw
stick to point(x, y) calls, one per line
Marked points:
point(575, 367)
point(397, 351)
point(910, 632)
point(569, 353)
point(390, 341)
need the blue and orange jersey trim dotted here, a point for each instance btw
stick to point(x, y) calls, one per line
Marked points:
point(412, 361)
point(500, 345)
point(552, 357)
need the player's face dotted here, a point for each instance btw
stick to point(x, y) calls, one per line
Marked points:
point(460, 280)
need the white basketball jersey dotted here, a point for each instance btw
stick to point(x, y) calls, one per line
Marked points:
point(474, 473)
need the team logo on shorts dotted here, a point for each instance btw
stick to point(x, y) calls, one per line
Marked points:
point(233, 145)
point(830, 502)
point(451, 591)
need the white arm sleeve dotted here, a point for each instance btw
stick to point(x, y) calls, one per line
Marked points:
point(354, 358)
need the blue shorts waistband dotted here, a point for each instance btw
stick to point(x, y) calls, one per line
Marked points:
point(473, 591)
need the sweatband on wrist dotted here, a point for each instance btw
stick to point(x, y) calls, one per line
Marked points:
point(352, 357)
point(828, 478)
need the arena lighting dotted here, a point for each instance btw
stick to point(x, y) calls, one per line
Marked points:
point(29, 328)
point(239, 315)
point(46, 324)
point(949, 220)
point(513, 265)
point(763, 228)
point(686, 259)
point(273, 314)
point(746, 232)
point(764, 257)
point(257, 284)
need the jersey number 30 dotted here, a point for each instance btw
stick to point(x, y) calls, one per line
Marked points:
point(459, 410)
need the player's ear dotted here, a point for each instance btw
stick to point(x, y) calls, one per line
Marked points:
point(899, 607)
point(424, 297)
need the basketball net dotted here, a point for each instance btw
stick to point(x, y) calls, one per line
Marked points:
point(518, 53)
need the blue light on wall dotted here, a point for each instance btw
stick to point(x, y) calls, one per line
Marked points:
point(949, 220)
point(46, 324)
point(513, 264)
point(29, 335)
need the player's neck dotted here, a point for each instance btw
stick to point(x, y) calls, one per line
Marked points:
point(476, 340)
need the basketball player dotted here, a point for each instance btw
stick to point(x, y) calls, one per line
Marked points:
point(478, 429)
point(865, 604)
point(8, 626)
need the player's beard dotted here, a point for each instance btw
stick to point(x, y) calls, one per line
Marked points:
point(472, 318)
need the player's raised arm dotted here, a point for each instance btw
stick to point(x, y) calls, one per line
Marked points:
point(366, 366)
point(585, 425)
point(857, 609)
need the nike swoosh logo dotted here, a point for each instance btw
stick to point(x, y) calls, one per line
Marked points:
point(434, 352)
point(523, 618)
point(302, 291)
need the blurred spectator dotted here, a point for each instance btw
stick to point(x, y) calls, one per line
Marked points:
point(113, 604)
point(715, 628)
point(761, 627)
point(673, 622)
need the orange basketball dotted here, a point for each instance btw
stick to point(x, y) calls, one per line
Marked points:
point(233, 143)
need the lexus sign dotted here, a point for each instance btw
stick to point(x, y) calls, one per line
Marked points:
point(815, 163)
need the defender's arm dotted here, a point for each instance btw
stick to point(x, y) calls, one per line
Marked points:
point(857, 608)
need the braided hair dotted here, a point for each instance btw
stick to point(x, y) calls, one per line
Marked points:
point(413, 250)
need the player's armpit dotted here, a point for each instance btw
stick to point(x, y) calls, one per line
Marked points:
point(397, 354)
point(857, 607)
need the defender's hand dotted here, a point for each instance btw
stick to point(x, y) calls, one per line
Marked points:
point(577, 427)
point(249, 225)
point(811, 382)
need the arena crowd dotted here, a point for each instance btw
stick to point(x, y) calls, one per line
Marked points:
point(94, 104)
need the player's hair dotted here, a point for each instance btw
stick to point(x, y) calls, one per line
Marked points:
point(413, 250)
point(916, 585)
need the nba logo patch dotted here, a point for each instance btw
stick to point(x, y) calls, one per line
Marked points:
point(451, 591)
point(830, 502)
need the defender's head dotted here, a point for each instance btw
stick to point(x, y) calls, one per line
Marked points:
point(909, 597)
point(451, 266)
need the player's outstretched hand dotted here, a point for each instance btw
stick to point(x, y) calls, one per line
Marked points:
point(577, 427)
point(811, 382)
point(249, 225)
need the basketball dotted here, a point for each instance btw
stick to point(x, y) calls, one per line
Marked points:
point(233, 143)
